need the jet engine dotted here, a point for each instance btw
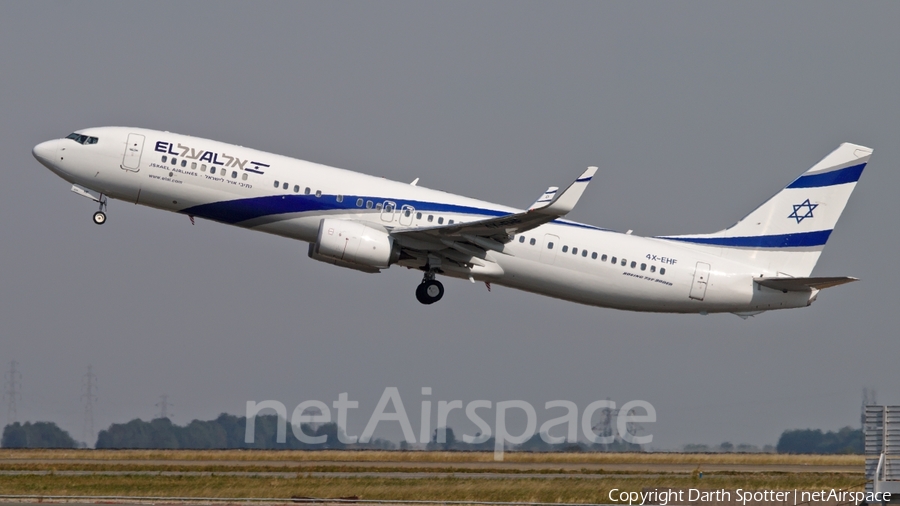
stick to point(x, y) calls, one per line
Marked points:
point(353, 245)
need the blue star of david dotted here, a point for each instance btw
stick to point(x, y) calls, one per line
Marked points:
point(798, 209)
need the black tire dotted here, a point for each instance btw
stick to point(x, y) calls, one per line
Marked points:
point(420, 294)
point(99, 217)
point(430, 291)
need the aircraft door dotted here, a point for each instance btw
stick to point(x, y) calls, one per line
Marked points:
point(134, 146)
point(701, 279)
point(406, 215)
point(387, 211)
point(548, 248)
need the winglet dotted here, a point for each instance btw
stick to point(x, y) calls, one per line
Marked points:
point(565, 201)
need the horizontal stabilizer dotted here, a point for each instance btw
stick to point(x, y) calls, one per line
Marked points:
point(802, 284)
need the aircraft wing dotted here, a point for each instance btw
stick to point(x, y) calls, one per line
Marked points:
point(492, 233)
point(802, 284)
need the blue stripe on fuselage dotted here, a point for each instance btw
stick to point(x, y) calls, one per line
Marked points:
point(835, 177)
point(799, 240)
point(238, 210)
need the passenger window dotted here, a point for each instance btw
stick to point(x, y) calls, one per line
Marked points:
point(450, 222)
point(213, 170)
point(521, 238)
point(633, 264)
point(203, 168)
point(174, 161)
point(378, 206)
point(306, 191)
point(244, 176)
point(340, 198)
point(430, 218)
point(549, 245)
point(643, 267)
point(603, 258)
point(612, 260)
point(565, 248)
point(594, 255)
point(532, 241)
point(652, 268)
point(418, 216)
point(184, 163)
point(164, 158)
point(369, 204)
point(318, 193)
point(441, 220)
point(359, 202)
point(662, 270)
point(584, 253)
point(624, 262)
point(407, 213)
point(296, 188)
point(284, 186)
point(193, 165)
point(234, 174)
point(574, 251)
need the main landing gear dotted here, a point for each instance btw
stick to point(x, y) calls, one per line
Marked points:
point(430, 290)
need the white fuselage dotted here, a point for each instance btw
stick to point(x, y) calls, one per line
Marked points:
point(289, 197)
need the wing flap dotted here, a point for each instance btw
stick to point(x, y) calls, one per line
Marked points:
point(802, 284)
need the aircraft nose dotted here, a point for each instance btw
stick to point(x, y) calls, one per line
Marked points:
point(44, 151)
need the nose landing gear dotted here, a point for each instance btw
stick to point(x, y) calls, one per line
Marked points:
point(100, 216)
point(429, 290)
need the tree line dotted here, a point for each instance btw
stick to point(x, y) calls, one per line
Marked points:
point(227, 432)
point(846, 440)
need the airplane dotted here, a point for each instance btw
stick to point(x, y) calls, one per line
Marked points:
point(368, 223)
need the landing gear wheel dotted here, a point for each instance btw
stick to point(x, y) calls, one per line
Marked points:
point(99, 217)
point(430, 291)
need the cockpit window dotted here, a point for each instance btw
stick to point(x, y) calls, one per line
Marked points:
point(82, 139)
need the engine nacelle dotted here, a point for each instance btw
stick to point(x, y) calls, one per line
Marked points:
point(353, 245)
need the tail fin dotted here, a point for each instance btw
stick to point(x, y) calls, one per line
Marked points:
point(787, 233)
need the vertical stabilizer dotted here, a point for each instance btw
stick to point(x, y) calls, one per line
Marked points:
point(788, 232)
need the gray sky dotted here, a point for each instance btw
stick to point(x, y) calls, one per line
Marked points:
point(695, 112)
